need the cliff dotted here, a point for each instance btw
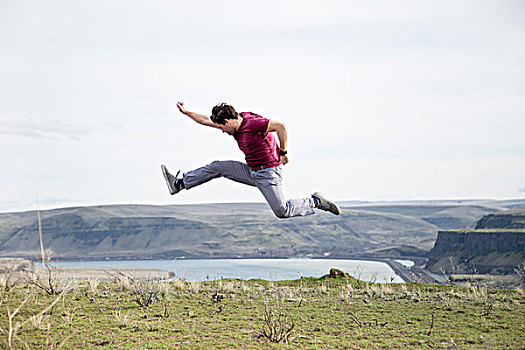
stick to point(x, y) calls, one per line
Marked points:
point(495, 246)
point(515, 220)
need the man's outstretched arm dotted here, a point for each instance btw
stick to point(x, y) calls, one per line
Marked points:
point(199, 118)
point(280, 128)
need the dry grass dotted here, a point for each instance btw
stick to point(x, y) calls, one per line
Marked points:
point(123, 319)
point(307, 313)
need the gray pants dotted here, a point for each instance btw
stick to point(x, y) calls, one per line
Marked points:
point(267, 180)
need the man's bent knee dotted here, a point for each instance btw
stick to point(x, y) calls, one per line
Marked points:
point(281, 213)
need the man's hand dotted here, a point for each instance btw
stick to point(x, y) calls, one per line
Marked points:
point(284, 159)
point(199, 118)
point(180, 105)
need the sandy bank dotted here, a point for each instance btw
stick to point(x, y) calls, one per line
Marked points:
point(106, 273)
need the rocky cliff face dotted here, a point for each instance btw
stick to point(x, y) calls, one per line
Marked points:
point(509, 220)
point(495, 246)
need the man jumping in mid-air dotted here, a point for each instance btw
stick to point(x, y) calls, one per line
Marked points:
point(264, 157)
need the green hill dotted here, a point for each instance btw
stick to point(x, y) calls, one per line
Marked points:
point(230, 230)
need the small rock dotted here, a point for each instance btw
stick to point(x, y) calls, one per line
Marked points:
point(217, 297)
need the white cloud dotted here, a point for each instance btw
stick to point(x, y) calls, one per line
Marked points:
point(49, 129)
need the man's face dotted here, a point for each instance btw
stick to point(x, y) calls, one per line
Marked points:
point(228, 127)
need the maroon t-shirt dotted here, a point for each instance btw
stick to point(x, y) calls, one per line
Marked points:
point(259, 147)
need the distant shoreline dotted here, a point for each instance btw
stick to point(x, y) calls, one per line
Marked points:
point(413, 273)
point(365, 258)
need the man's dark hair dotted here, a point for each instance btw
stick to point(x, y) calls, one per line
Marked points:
point(221, 112)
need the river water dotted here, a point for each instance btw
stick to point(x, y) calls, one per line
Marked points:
point(268, 269)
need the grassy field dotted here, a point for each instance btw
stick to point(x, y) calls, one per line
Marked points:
point(326, 313)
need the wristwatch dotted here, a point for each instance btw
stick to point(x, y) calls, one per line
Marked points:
point(282, 153)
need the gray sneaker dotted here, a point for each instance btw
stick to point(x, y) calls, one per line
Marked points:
point(171, 181)
point(326, 204)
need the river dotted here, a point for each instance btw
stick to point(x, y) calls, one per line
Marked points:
point(268, 269)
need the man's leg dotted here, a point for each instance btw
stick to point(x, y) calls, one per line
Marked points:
point(229, 169)
point(269, 183)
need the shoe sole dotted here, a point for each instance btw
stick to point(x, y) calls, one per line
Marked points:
point(165, 173)
point(334, 208)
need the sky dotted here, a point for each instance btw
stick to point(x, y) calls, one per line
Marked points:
point(383, 100)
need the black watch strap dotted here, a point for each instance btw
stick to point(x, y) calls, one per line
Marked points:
point(282, 153)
